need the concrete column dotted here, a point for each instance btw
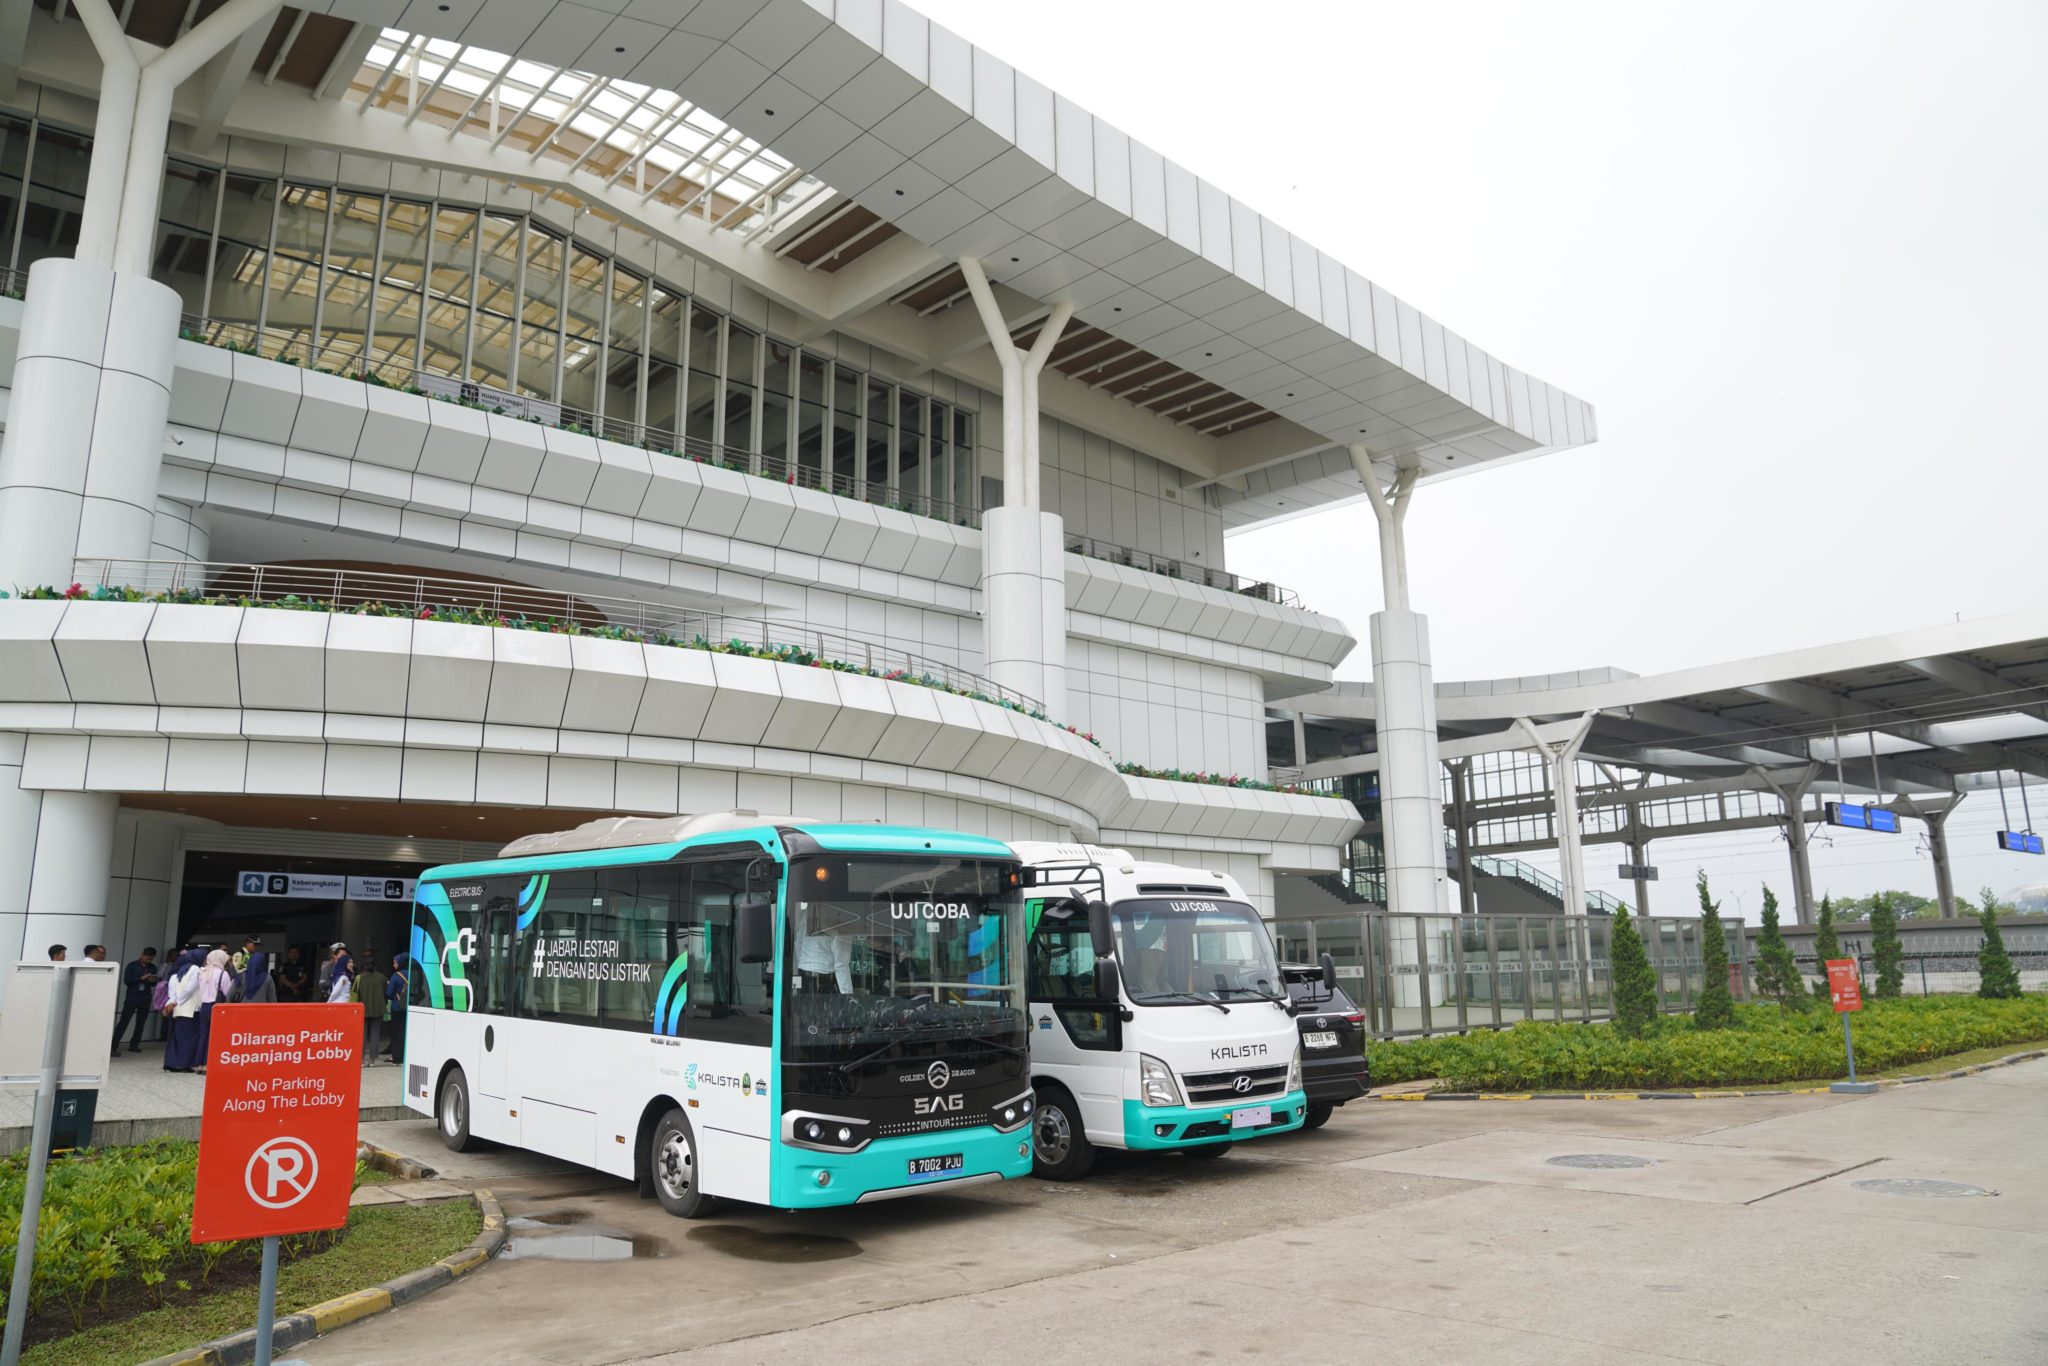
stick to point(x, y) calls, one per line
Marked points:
point(1937, 849)
point(1560, 761)
point(1023, 548)
point(1793, 796)
point(1461, 831)
point(1300, 742)
point(1404, 689)
point(85, 432)
point(55, 852)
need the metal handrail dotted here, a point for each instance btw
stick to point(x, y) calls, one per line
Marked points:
point(296, 348)
point(13, 283)
point(515, 605)
point(1181, 569)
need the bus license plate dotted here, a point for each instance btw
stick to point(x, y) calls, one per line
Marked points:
point(1251, 1116)
point(1320, 1038)
point(942, 1165)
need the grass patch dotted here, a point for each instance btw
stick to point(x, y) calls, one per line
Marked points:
point(1766, 1048)
point(380, 1242)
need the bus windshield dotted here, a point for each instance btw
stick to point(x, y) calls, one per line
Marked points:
point(886, 953)
point(1194, 952)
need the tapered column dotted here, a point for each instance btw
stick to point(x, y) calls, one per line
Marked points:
point(1023, 547)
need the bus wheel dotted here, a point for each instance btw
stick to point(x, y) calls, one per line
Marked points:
point(1318, 1114)
point(1207, 1152)
point(454, 1113)
point(673, 1162)
point(1060, 1150)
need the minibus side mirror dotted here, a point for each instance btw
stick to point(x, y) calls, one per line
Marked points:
point(755, 930)
point(1329, 966)
point(1106, 979)
point(1098, 929)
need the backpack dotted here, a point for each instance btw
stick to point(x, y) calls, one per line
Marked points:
point(234, 991)
point(160, 999)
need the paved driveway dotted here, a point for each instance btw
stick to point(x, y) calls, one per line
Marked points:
point(1722, 1231)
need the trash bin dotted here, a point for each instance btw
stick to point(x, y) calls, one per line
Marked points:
point(71, 1126)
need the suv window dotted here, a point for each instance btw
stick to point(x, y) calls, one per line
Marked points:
point(1301, 989)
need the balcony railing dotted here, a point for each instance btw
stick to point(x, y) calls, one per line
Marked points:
point(1181, 569)
point(295, 348)
point(374, 592)
point(13, 284)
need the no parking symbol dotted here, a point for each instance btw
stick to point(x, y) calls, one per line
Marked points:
point(277, 1139)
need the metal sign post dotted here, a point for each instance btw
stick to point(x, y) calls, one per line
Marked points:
point(54, 1031)
point(1845, 990)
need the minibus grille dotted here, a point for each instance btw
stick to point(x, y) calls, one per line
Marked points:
point(1220, 1088)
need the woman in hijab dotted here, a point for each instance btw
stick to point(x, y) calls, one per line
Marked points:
point(186, 1049)
point(214, 979)
point(343, 984)
point(256, 980)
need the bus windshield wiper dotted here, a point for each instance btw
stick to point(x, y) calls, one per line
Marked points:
point(1260, 995)
point(1152, 996)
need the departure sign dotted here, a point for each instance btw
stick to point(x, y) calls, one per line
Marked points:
point(2019, 842)
point(1855, 816)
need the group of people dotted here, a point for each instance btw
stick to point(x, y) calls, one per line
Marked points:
point(199, 978)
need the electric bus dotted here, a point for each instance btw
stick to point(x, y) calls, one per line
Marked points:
point(1161, 1021)
point(790, 1013)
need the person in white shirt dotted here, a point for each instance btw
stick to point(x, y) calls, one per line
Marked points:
point(824, 961)
point(342, 984)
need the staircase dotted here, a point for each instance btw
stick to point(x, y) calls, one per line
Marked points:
point(1529, 882)
point(1318, 894)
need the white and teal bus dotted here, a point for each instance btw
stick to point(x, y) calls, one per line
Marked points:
point(789, 1013)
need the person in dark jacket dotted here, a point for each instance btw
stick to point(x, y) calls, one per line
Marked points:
point(138, 985)
point(394, 992)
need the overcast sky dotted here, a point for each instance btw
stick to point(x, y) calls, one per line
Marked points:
point(1793, 254)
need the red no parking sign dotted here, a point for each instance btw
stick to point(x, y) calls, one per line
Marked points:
point(277, 1139)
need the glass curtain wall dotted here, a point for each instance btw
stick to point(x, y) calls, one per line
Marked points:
point(387, 288)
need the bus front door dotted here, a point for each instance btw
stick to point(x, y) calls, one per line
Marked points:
point(496, 1046)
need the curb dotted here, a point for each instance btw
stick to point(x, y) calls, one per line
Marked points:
point(1971, 1070)
point(240, 1348)
point(384, 1160)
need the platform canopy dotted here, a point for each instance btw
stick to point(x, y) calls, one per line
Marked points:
point(1948, 708)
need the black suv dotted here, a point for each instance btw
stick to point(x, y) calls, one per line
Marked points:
point(1333, 1066)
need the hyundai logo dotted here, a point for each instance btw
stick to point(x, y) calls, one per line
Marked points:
point(938, 1074)
point(1242, 1084)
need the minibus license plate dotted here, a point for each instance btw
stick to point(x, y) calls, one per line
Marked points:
point(1251, 1116)
point(1320, 1038)
point(941, 1165)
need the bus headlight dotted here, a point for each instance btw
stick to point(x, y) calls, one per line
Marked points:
point(1009, 1115)
point(1294, 1072)
point(1155, 1082)
point(827, 1133)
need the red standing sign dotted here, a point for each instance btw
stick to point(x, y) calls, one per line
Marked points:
point(1845, 988)
point(277, 1139)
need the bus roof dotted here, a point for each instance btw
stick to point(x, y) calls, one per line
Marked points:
point(527, 856)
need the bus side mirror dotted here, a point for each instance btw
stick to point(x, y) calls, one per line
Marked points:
point(1329, 966)
point(1098, 929)
point(755, 930)
point(1106, 980)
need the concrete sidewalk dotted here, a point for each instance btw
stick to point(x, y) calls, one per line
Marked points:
point(1735, 1231)
point(141, 1101)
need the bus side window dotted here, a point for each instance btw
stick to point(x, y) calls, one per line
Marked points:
point(1062, 964)
point(729, 1000)
point(643, 904)
point(553, 980)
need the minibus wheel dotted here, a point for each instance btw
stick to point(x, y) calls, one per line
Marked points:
point(452, 1113)
point(1060, 1150)
point(673, 1163)
point(1319, 1113)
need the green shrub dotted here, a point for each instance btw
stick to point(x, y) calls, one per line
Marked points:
point(1885, 948)
point(1765, 1046)
point(1715, 1007)
point(1826, 946)
point(1635, 982)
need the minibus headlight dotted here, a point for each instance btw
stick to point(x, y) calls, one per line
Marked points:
point(1156, 1085)
point(1294, 1072)
point(813, 1131)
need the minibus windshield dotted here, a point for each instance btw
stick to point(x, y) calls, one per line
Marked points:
point(886, 953)
point(1183, 952)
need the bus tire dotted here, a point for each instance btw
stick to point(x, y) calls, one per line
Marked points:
point(1060, 1150)
point(451, 1113)
point(1207, 1152)
point(1319, 1112)
point(673, 1165)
